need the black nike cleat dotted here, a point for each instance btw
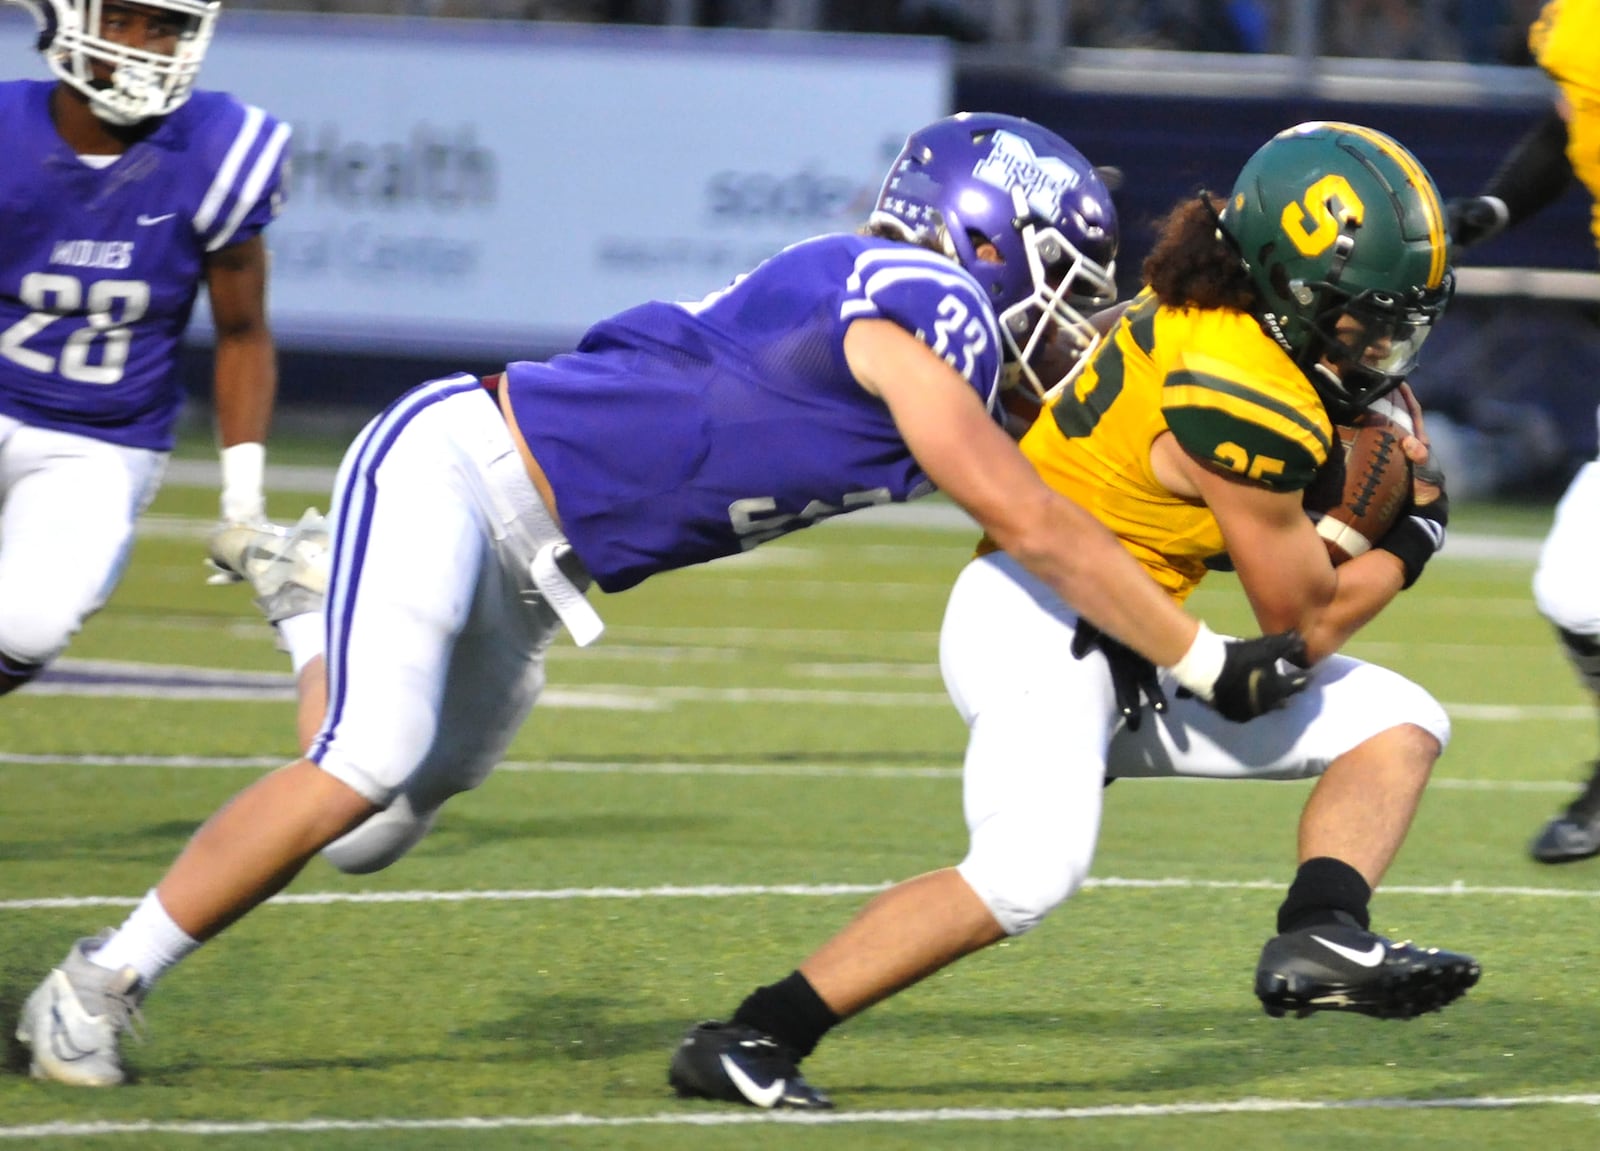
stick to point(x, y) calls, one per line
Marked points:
point(1575, 833)
point(736, 1064)
point(1341, 967)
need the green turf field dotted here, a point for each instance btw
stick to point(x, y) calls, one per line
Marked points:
point(752, 749)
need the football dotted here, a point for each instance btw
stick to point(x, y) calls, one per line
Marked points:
point(1362, 490)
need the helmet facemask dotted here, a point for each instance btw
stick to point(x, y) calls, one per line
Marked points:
point(1046, 335)
point(134, 84)
point(1066, 286)
point(1369, 344)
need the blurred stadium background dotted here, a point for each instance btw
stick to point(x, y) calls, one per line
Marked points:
point(477, 180)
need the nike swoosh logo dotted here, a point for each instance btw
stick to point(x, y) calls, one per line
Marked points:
point(761, 1096)
point(61, 1039)
point(1369, 958)
point(146, 221)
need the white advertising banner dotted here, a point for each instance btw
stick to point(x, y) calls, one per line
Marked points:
point(480, 185)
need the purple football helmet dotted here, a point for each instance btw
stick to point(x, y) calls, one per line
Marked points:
point(977, 177)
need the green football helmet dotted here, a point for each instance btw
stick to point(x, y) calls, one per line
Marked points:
point(1344, 237)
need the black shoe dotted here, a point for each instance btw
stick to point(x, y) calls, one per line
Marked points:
point(1341, 967)
point(738, 1064)
point(1575, 833)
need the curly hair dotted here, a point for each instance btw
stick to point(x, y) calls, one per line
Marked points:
point(1192, 265)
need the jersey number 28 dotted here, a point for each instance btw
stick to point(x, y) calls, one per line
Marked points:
point(112, 305)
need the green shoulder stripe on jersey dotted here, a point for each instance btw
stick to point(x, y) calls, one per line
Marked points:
point(1244, 447)
point(1244, 430)
point(1078, 417)
point(1141, 319)
point(1309, 428)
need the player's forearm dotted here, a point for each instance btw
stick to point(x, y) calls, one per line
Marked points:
point(1535, 171)
point(244, 392)
point(1082, 561)
point(245, 388)
point(1366, 585)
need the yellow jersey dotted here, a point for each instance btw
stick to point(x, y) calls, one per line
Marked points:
point(1565, 40)
point(1215, 380)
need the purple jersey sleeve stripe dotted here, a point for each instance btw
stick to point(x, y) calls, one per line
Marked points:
point(266, 164)
point(228, 172)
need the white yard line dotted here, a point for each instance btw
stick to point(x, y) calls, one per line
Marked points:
point(105, 678)
point(747, 1117)
point(790, 769)
point(795, 769)
point(788, 890)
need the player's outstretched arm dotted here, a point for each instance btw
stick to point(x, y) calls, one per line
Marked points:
point(1533, 174)
point(245, 374)
point(977, 465)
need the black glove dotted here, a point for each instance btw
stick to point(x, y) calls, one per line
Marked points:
point(1474, 219)
point(1251, 683)
point(1418, 535)
point(1133, 678)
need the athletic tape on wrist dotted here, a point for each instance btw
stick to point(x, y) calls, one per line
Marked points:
point(1202, 663)
point(244, 468)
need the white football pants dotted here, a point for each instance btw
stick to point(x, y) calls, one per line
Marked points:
point(1044, 735)
point(68, 504)
point(436, 634)
point(1564, 584)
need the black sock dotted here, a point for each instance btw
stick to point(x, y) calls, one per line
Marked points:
point(791, 1012)
point(1324, 891)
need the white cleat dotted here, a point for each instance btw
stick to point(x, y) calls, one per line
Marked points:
point(287, 567)
point(72, 1020)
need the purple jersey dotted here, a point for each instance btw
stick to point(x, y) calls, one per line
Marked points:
point(99, 267)
point(680, 432)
